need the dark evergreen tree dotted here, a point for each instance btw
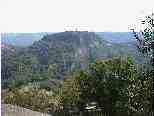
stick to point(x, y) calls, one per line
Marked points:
point(146, 44)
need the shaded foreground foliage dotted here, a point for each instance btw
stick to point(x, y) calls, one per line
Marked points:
point(116, 87)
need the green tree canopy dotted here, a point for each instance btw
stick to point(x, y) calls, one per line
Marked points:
point(115, 85)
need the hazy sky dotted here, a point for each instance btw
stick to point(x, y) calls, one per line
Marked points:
point(60, 15)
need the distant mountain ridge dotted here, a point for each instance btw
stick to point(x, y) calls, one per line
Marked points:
point(27, 39)
point(117, 37)
point(21, 39)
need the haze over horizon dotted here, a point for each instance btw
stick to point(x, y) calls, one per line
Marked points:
point(54, 16)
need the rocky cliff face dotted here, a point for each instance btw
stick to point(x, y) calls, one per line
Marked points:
point(11, 110)
point(69, 49)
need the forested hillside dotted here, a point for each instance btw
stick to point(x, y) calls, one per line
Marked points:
point(57, 55)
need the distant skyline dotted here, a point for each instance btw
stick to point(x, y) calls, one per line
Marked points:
point(62, 15)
